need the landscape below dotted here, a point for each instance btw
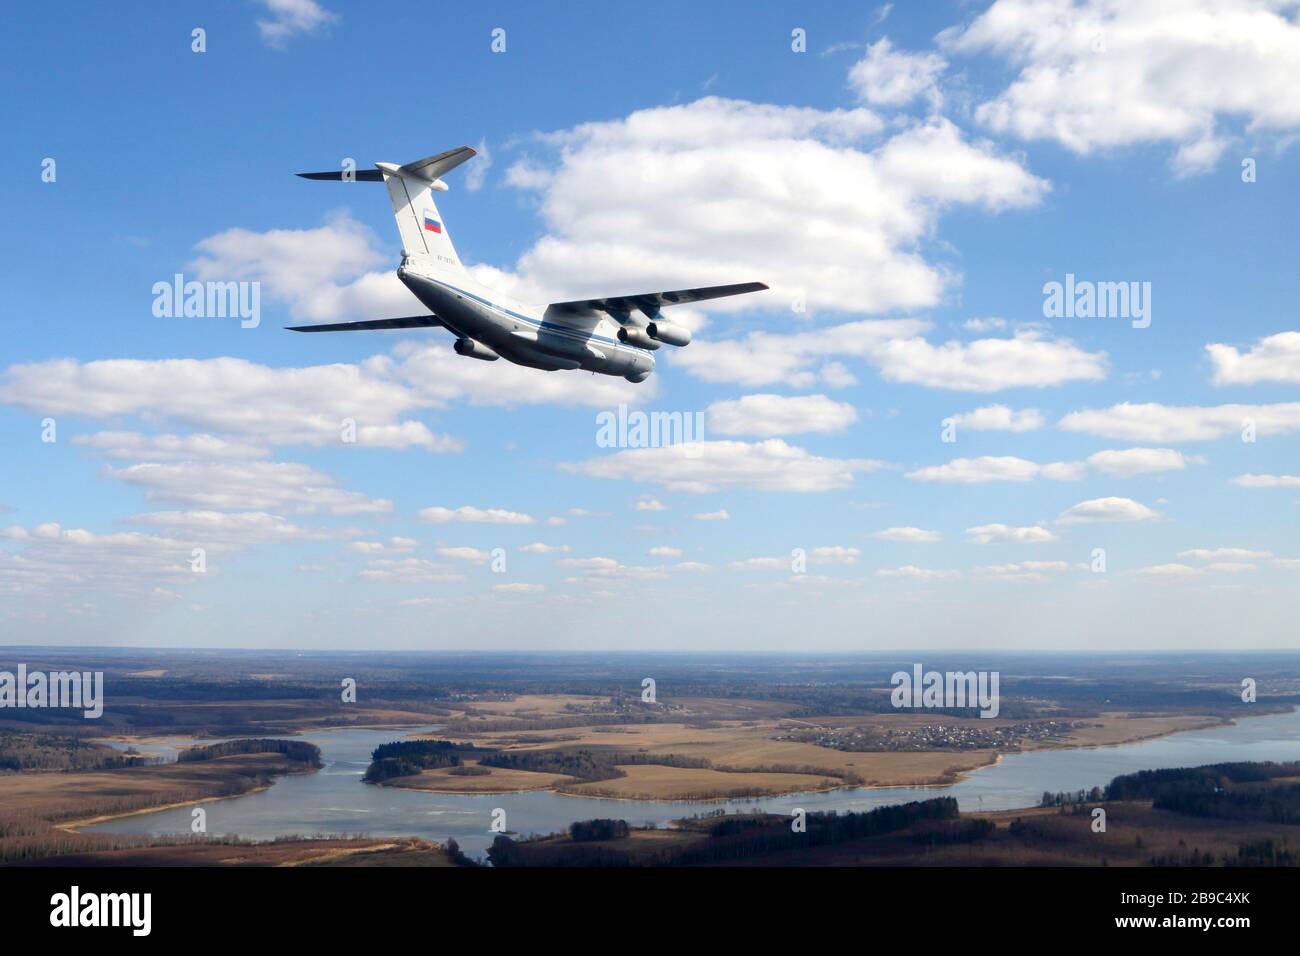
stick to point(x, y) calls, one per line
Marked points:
point(713, 728)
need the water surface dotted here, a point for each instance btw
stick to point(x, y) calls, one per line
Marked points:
point(334, 800)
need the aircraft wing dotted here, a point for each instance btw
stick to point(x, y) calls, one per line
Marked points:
point(367, 325)
point(651, 302)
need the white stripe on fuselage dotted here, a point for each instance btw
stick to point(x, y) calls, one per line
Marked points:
point(564, 331)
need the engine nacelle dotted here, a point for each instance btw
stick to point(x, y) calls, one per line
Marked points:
point(634, 335)
point(668, 332)
point(475, 349)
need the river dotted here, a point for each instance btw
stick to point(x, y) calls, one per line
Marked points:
point(335, 801)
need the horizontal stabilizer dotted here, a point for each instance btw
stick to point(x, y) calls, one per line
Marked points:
point(651, 302)
point(360, 175)
point(434, 167)
point(369, 325)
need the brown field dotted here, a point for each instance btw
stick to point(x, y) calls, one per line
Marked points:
point(324, 852)
point(500, 780)
point(69, 798)
point(1121, 728)
point(742, 754)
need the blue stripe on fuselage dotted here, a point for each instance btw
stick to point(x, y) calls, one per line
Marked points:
point(565, 330)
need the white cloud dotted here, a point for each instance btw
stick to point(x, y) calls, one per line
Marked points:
point(1138, 461)
point(1275, 358)
point(818, 204)
point(721, 515)
point(767, 416)
point(56, 562)
point(888, 77)
point(1224, 554)
point(409, 571)
point(537, 547)
point(518, 587)
point(476, 555)
point(923, 574)
point(1101, 74)
point(1107, 509)
point(291, 17)
point(999, 418)
point(232, 528)
point(710, 466)
point(1027, 360)
point(1023, 571)
point(663, 551)
point(996, 468)
point(908, 535)
point(471, 515)
point(1176, 423)
point(229, 397)
point(650, 503)
point(127, 445)
point(247, 486)
point(1004, 533)
point(833, 554)
point(1168, 570)
point(895, 348)
point(1267, 481)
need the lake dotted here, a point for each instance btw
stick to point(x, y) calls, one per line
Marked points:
point(335, 801)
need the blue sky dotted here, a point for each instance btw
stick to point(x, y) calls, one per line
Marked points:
point(916, 175)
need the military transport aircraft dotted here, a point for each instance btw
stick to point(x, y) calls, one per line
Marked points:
point(613, 336)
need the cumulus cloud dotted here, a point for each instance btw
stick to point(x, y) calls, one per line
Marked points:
point(1224, 554)
point(1275, 358)
point(247, 486)
point(1022, 571)
point(826, 206)
point(1097, 75)
point(1267, 481)
point(922, 574)
point(289, 18)
point(720, 515)
point(1127, 462)
point(232, 528)
point(908, 535)
point(889, 77)
point(1009, 534)
point(996, 468)
point(538, 547)
point(229, 397)
point(409, 571)
point(471, 515)
point(768, 416)
point(900, 354)
point(999, 418)
point(1152, 421)
point(1106, 509)
point(57, 562)
point(135, 445)
point(710, 466)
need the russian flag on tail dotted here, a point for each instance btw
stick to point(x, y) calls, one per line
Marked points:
point(431, 224)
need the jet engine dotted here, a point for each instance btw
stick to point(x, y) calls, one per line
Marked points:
point(475, 350)
point(668, 332)
point(634, 335)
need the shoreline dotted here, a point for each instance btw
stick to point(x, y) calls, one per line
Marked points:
point(74, 826)
point(956, 778)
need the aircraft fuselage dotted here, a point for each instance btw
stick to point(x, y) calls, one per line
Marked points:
point(518, 332)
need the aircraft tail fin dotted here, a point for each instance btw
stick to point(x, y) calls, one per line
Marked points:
point(410, 190)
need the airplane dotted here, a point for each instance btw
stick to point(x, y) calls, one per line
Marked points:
point(611, 336)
